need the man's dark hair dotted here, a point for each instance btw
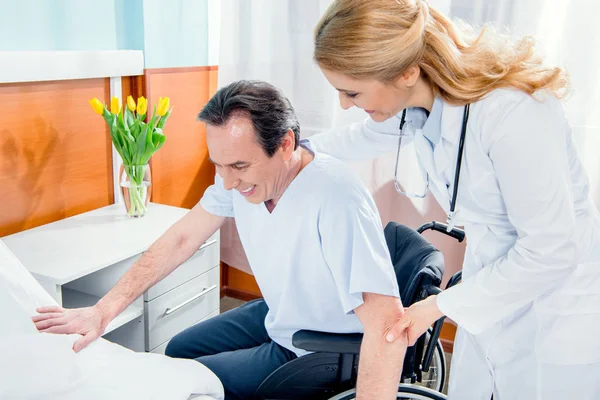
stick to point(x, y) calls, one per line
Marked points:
point(271, 112)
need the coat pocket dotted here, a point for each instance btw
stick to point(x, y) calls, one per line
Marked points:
point(568, 319)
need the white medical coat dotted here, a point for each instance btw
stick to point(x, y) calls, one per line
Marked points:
point(528, 308)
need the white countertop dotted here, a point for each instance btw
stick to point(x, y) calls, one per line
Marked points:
point(105, 236)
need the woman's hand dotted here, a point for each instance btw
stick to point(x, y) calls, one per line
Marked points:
point(415, 321)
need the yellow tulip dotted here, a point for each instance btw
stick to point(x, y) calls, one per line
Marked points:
point(163, 106)
point(142, 105)
point(130, 103)
point(97, 106)
point(115, 105)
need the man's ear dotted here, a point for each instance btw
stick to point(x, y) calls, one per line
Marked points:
point(409, 77)
point(288, 145)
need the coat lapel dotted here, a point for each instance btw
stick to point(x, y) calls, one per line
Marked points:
point(426, 158)
point(446, 152)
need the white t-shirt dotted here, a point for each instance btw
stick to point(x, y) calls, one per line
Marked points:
point(316, 253)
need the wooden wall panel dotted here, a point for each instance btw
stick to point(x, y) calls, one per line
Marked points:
point(447, 335)
point(238, 284)
point(181, 171)
point(55, 154)
point(134, 86)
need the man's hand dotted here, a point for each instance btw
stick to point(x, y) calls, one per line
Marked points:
point(415, 321)
point(87, 322)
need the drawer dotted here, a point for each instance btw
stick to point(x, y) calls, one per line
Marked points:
point(174, 311)
point(205, 258)
point(161, 349)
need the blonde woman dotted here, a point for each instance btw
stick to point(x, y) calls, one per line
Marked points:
point(489, 130)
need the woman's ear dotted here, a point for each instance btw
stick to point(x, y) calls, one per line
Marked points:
point(409, 77)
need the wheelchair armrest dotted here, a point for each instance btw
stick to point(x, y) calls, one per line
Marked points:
point(433, 290)
point(323, 342)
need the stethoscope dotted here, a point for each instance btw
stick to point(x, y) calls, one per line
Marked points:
point(461, 145)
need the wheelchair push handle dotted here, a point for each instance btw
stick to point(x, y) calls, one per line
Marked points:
point(456, 233)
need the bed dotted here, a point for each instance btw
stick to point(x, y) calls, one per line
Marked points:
point(36, 365)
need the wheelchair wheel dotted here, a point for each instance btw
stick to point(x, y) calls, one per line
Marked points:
point(435, 378)
point(408, 392)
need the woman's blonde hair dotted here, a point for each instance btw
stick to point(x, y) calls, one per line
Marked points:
point(380, 39)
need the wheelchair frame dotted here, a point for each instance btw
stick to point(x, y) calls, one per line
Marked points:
point(459, 235)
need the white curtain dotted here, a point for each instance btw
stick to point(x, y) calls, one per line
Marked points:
point(272, 40)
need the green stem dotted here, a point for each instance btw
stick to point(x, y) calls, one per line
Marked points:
point(137, 204)
point(136, 197)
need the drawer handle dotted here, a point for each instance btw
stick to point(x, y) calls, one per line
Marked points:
point(207, 244)
point(169, 311)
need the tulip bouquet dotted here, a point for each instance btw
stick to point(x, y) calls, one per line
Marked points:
point(136, 141)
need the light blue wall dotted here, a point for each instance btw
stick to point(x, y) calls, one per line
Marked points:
point(172, 33)
point(57, 25)
point(129, 24)
point(175, 35)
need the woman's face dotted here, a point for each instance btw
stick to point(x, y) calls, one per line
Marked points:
point(381, 101)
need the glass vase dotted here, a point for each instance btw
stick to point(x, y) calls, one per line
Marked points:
point(135, 182)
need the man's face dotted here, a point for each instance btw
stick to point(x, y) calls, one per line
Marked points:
point(242, 163)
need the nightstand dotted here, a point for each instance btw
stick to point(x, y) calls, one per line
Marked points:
point(79, 259)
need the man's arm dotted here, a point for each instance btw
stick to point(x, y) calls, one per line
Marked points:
point(172, 249)
point(355, 249)
point(380, 362)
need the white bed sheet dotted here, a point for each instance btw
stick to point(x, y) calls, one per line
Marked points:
point(35, 365)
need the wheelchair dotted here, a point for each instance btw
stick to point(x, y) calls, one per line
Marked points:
point(330, 371)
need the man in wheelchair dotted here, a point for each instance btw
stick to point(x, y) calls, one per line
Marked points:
point(311, 232)
point(313, 238)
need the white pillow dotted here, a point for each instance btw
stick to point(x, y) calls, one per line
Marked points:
point(23, 287)
point(32, 364)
